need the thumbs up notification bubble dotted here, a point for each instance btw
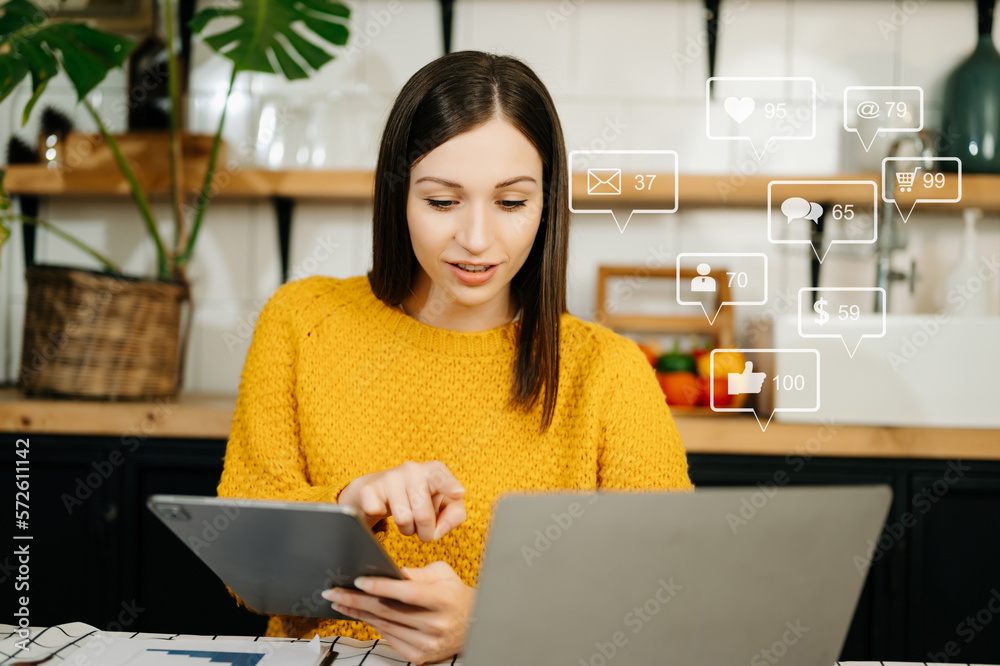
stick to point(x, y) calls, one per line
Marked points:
point(797, 382)
point(623, 183)
point(850, 213)
point(744, 283)
point(747, 381)
point(761, 109)
point(841, 312)
point(870, 110)
point(913, 180)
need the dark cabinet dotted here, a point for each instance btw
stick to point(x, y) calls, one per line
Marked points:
point(99, 556)
point(936, 567)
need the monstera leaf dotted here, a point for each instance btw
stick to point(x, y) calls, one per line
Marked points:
point(265, 35)
point(29, 46)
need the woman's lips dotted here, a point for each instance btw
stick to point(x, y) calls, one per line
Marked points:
point(473, 278)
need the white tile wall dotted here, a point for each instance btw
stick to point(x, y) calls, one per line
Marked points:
point(625, 74)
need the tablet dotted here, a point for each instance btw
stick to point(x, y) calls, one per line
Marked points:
point(277, 556)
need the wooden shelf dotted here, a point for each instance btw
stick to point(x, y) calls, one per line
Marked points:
point(352, 186)
point(210, 417)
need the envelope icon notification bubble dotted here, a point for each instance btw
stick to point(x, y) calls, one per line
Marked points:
point(623, 183)
point(603, 182)
point(792, 374)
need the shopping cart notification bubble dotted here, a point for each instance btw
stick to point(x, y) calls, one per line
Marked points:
point(907, 181)
point(822, 213)
point(715, 279)
point(870, 110)
point(623, 183)
point(841, 312)
point(760, 109)
point(758, 383)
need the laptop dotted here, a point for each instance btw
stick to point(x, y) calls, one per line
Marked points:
point(720, 576)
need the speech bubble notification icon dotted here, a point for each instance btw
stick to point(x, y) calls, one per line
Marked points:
point(745, 280)
point(761, 110)
point(851, 206)
point(797, 382)
point(841, 312)
point(623, 183)
point(920, 180)
point(871, 110)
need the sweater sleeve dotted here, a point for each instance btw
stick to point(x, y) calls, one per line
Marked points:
point(641, 447)
point(264, 457)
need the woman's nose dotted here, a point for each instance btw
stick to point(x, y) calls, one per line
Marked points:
point(476, 231)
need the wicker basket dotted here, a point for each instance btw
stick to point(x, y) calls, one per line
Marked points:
point(102, 335)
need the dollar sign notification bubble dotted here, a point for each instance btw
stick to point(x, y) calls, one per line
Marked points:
point(818, 307)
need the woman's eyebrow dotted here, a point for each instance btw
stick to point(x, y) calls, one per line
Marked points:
point(442, 181)
point(499, 186)
point(518, 179)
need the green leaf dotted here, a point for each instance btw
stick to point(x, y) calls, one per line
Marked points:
point(29, 46)
point(254, 45)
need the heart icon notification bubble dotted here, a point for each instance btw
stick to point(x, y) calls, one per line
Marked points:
point(739, 109)
point(760, 110)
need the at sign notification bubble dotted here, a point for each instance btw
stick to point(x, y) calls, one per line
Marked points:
point(870, 110)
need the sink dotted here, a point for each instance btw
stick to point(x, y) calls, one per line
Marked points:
point(928, 370)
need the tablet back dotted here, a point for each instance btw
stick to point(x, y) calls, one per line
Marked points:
point(718, 576)
point(277, 556)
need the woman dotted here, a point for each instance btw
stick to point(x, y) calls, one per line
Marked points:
point(450, 373)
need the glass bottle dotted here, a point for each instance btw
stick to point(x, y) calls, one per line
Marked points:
point(970, 121)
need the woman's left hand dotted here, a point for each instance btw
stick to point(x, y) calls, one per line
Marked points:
point(424, 618)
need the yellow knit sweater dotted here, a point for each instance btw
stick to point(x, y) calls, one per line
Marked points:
point(337, 384)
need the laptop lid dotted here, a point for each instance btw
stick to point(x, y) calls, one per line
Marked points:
point(718, 576)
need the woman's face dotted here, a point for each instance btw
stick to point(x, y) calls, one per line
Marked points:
point(475, 199)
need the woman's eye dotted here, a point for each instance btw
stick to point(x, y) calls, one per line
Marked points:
point(512, 205)
point(440, 204)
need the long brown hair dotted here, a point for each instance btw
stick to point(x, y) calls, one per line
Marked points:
point(445, 98)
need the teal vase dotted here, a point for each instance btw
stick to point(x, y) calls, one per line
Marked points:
point(970, 119)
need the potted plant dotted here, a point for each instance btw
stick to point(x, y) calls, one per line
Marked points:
point(102, 334)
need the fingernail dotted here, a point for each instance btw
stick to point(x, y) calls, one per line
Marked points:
point(361, 583)
point(331, 595)
point(441, 530)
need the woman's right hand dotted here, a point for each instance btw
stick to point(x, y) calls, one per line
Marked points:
point(423, 498)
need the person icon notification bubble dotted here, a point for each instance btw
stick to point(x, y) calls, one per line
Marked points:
point(703, 282)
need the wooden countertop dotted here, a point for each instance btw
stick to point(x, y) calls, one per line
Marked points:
point(210, 417)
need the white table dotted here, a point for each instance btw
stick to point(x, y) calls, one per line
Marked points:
point(67, 643)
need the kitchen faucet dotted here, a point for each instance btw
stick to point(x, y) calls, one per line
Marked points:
point(891, 236)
